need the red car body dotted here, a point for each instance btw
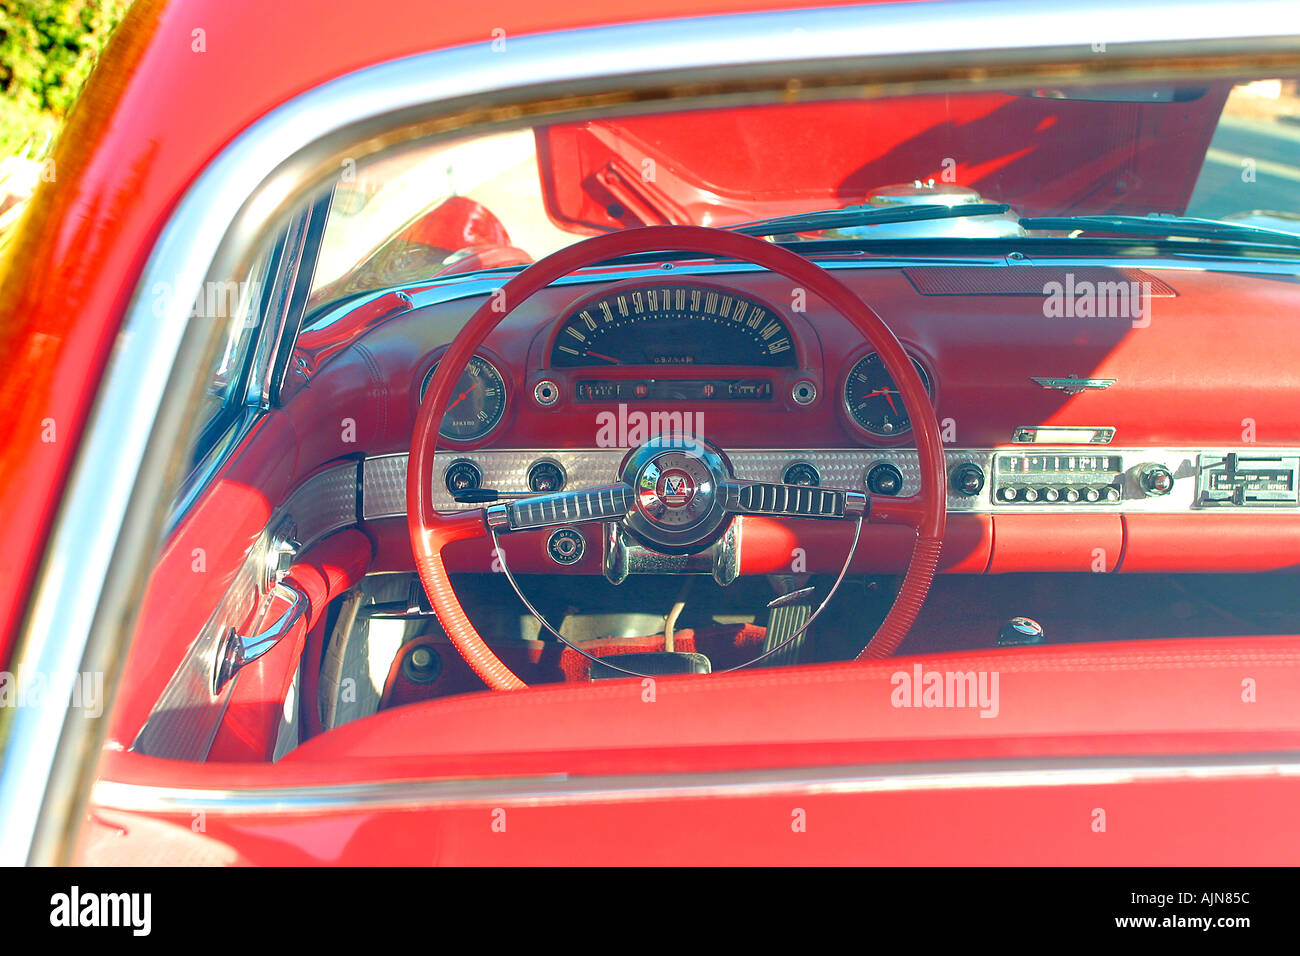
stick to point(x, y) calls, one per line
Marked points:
point(812, 768)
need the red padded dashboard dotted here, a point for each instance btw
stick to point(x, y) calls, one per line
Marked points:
point(1212, 363)
point(1221, 349)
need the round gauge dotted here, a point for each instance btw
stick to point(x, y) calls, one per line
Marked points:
point(872, 398)
point(478, 400)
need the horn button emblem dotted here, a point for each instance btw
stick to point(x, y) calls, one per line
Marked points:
point(675, 488)
point(678, 504)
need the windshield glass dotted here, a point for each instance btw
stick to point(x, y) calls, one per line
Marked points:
point(1222, 151)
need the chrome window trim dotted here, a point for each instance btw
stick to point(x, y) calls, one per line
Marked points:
point(549, 790)
point(108, 525)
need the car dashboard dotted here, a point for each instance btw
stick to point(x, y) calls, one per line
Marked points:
point(1095, 416)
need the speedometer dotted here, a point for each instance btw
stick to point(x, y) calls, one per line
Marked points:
point(672, 324)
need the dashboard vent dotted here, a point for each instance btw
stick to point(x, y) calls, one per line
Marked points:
point(1022, 280)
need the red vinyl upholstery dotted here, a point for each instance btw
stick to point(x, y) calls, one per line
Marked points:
point(1194, 689)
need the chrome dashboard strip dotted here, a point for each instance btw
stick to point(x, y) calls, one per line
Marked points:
point(106, 532)
point(559, 789)
point(384, 476)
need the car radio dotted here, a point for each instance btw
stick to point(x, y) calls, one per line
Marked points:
point(1058, 477)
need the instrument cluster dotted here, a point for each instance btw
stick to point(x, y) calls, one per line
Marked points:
point(658, 343)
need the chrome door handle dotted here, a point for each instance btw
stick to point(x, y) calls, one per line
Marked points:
point(236, 651)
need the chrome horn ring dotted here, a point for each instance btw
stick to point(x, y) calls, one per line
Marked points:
point(679, 497)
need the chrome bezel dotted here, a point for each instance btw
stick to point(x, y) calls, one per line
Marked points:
point(573, 534)
point(707, 526)
point(546, 383)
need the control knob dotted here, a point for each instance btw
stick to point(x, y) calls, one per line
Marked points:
point(967, 479)
point(802, 473)
point(1155, 480)
point(884, 479)
point(462, 475)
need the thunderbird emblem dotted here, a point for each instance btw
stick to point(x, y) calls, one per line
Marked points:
point(1073, 385)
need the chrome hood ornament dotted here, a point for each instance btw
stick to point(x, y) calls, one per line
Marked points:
point(1073, 385)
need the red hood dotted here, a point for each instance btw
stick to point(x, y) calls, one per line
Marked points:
point(1043, 155)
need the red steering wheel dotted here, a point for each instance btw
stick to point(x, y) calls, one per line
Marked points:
point(432, 530)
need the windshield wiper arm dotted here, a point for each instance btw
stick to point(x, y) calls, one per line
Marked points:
point(850, 216)
point(1164, 226)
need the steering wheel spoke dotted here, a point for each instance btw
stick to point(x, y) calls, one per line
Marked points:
point(605, 503)
point(792, 501)
point(909, 511)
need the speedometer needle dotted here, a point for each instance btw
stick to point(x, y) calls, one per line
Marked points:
point(605, 357)
point(461, 397)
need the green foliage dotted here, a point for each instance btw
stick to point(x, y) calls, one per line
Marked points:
point(47, 48)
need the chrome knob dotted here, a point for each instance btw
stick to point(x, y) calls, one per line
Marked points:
point(1155, 480)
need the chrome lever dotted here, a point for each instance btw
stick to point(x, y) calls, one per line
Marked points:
point(236, 651)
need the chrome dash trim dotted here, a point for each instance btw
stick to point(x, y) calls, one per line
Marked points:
point(564, 789)
point(384, 476)
point(324, 503)
point(106, 531)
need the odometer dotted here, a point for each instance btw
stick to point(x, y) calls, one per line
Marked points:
point(873, 400)
point(672, 324)
point(478, 400)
